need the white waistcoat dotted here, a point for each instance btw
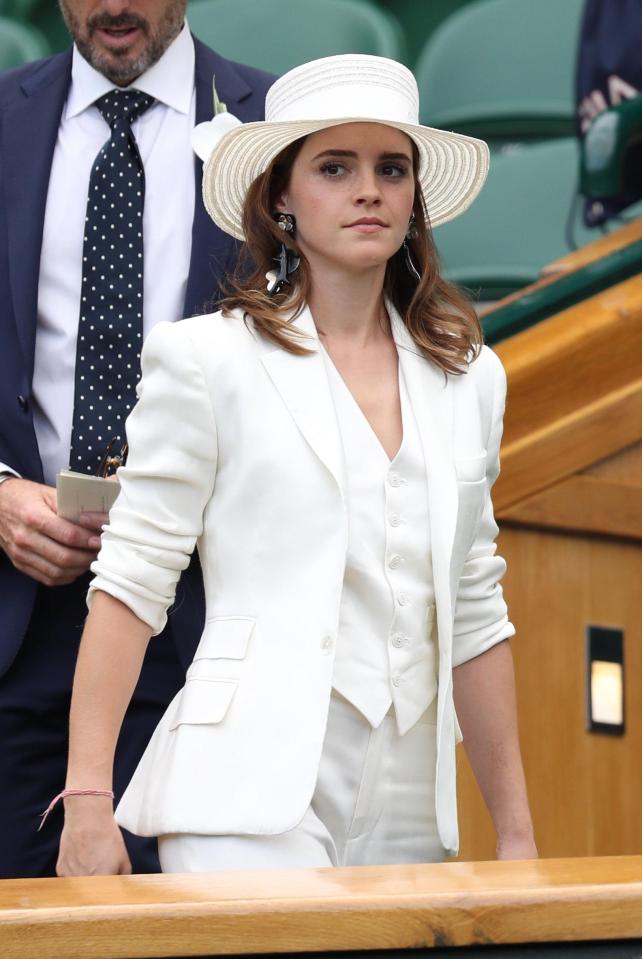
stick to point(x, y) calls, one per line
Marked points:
point(385, 649)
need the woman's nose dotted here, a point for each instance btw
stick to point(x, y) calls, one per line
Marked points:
point(368, 188)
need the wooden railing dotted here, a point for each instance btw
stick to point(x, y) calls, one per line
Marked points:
point(326, 910)
point(575, 398)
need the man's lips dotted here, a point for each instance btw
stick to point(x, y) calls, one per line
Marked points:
point(116, 37)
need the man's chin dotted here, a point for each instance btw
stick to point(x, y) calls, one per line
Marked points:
point(121, 65)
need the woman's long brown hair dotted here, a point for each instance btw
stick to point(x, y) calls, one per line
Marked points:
point(440, 319)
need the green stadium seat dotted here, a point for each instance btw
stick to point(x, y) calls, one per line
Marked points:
point(48, 19)
point(20, 43)
point(419, 19)
point(45, 15)
point(276, 35)
point(19, 9)
point(503, 69)
point(518, 223)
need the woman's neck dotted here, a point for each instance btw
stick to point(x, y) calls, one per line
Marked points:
point(349, 306)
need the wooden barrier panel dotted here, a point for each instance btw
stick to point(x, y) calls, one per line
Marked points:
point(574, 392)
point(324, 910)
point(569, 505)
point(584, 788)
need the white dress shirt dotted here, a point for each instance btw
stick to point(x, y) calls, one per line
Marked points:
point(163, 137)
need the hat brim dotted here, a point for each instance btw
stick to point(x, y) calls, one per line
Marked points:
point(452, 167)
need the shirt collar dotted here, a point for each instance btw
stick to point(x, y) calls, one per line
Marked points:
point(170, 80)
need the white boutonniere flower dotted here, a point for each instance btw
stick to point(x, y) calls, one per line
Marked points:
point(205, 136)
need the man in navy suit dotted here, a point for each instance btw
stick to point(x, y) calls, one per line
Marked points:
point(51, 132)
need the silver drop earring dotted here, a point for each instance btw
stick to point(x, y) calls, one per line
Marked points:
point(411, 234)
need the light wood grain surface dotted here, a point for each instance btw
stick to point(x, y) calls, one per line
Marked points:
point(574, 393)
point(321, 910)
point(584, 503)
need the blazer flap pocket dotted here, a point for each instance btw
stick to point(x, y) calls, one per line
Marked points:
point(225, 637)
point(204, 701)
point(471, 469)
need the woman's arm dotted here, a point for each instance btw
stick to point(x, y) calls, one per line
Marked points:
point(153, 527)
point(484, 692)
point(109, 662)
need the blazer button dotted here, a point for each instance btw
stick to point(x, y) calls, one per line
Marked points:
point(327, 644)
point(23, 403)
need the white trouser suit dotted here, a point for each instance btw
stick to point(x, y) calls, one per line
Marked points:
point(374, 802)
point(235, 449)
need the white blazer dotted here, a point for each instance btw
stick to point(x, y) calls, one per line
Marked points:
point(234, 447)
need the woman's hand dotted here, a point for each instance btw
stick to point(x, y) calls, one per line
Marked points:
point(91, 842)
point(517, 848)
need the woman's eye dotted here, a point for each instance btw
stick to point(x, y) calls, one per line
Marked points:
point(392, 170)
point(332, 169)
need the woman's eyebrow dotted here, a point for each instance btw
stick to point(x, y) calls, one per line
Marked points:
point(335, 153)
point(353, 154)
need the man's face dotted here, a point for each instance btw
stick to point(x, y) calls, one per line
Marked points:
point(123, 38)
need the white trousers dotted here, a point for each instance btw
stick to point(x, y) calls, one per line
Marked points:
point(374, 804)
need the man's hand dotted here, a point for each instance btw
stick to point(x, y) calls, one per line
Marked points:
point(37, 541)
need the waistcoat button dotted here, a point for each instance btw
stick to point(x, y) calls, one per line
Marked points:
point(326, 644)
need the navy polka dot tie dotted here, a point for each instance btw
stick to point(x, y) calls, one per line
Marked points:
point(110, 329)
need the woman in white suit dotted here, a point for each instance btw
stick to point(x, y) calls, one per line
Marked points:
point(328, 442)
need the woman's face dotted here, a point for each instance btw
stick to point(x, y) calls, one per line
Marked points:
point(351, 190)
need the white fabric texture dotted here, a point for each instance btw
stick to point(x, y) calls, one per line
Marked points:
point(373, 804)
point(385, 649)
point(163, 139)
point(235, 444)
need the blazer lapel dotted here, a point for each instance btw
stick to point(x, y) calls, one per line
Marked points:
point(30, 129)
point(431, 400)
point(303, 385)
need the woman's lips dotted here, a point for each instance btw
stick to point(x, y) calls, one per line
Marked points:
point(367, 226)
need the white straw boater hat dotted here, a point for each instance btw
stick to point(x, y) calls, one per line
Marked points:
point(351, 88)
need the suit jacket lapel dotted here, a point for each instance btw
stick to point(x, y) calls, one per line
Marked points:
point(431, 400)
point(30, 129)
point(303, 385)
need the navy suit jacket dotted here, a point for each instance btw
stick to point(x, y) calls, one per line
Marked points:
point(32, 98)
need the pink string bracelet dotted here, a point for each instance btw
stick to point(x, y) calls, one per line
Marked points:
point(72, 792)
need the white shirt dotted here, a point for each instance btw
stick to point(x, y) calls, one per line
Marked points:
point(163, 137)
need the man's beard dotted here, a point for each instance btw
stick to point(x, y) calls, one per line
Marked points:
point(121, 67)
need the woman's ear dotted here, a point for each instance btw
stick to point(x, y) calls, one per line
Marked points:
point(281, 203)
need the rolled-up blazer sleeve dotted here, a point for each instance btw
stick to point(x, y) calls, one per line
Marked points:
point(167, 482)
point(481, 615)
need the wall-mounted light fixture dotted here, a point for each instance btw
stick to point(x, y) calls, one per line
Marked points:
point(605, 680)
